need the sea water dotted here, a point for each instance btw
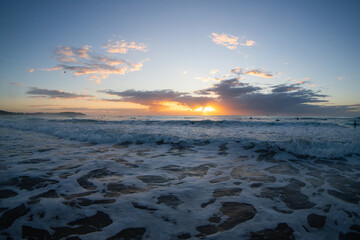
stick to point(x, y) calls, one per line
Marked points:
point(173, 177)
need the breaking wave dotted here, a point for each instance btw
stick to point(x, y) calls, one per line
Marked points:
point(309, 136)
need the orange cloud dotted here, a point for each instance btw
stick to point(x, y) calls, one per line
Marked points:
point(96, 69)
point(228, 41)
point(31, 70)
point(136, 67)
point(259, 73)
point(68, 52)
point(248, 43)
point(71, 59)
point(123, 47)
point(51, 69)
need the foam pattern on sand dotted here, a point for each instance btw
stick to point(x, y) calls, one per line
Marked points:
point(57, 188)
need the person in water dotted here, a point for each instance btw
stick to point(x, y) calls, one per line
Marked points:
point(355, 123)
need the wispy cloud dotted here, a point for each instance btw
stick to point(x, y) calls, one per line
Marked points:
point(83, 61)
point(51, 69)
point(31, 70)
point(214, 71)
point(248, 43)
point(17, 84)
point(237, 70)
point(209, 79)
point(226, 40)
point(230, 41)
point(69, 54)
point(259, 73)
point(48, 93)
point(121, 46)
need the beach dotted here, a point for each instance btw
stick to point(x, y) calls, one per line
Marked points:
point(176, 177)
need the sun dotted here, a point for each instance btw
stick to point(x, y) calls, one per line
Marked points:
point(206, 109)
point(209, 109)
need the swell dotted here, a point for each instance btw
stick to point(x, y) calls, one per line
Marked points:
point(312, 138)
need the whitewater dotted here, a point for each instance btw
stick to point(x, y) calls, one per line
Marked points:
point(179, 177)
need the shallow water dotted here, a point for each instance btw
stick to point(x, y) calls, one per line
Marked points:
point(207, 182)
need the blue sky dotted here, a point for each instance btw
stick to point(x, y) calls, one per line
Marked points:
point(311, 46)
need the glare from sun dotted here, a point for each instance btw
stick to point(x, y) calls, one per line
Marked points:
point(209, 109)
point(205, 109)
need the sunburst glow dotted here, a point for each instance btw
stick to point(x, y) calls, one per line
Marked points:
point(209, 109)
point(206, 109)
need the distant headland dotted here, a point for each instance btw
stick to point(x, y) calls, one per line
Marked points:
point(2, 112)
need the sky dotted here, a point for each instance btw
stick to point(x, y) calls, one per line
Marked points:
point(181, 57)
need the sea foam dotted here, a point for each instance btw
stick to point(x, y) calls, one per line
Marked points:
point(316, 137)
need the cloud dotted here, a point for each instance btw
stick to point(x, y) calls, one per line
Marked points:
point(233, 96)
point(95, 68)
point(17, 84)
point(226, 40)
point(248, 43)
point(123, 47)
point(66, 51)
point(229, 88)
point(82, 61)
point(230, 41)
point(259, 73)
point(108, 61)
point(145, 96)
point(31, 70)
point(285, 88)
point(242, 98)
point(214, 71)
point(47, 93)
point(236, 70)
point(160, 100)
point(341, 78)
point(209, 79)
point(51, 69)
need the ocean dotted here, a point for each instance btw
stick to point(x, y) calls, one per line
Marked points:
point(179, 177)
